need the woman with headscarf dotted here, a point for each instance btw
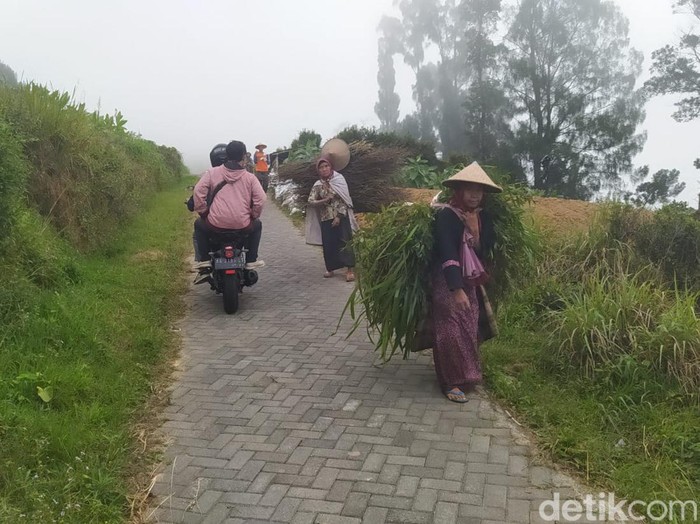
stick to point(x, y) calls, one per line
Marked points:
point(464, 232)
point(330, 220)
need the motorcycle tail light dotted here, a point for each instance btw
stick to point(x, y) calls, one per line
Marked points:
point(228, 252)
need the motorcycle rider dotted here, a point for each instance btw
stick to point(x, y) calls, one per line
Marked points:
point(217, 156)
point(235, 207)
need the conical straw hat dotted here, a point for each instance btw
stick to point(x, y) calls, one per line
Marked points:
point(476, 175)
point(338, 151)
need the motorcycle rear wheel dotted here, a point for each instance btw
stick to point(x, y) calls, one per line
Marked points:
point(230, 293)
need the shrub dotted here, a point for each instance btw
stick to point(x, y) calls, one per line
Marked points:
point(615, 320)
point(672, 240)
point(668, 238)
point(413, 147)
point(417, 172)
point(88, 174)
point(306, 137)
point(306, 152)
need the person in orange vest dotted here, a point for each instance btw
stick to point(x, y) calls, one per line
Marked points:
point(261, 166)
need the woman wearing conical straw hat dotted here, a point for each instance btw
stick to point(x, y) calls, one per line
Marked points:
point(330, 220)
point(463, 233)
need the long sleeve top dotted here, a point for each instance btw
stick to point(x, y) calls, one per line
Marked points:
point(336, 207)
point(449, 232)
point(238, 203)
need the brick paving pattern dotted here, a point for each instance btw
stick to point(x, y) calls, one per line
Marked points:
point(274, 418)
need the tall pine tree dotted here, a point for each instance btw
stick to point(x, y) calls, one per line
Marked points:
point(387, 106)
point(428, 36)
point(573, 79)
point(488, 112)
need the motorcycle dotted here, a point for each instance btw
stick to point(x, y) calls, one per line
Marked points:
point(228, 274)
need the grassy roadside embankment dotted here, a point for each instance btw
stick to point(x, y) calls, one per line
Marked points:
point(644, 450)
point(92, 238)
point(599, 353)
point(80, 369)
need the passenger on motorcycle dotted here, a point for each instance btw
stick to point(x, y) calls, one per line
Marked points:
point(235, 207)
point(217, 157)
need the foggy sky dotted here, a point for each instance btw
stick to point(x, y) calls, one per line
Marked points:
point(191, 74)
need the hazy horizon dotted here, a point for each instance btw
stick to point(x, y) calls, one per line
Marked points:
point(183, 77)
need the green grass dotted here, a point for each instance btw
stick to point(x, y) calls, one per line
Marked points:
point(643, 449)
point(599, 354)
point(600, 360)
point(95, 350)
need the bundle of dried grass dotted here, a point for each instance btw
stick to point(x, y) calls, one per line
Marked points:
point(370, 176)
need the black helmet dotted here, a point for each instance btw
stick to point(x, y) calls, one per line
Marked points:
point(218, 155)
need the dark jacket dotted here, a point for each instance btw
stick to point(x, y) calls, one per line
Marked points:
point(449, 230)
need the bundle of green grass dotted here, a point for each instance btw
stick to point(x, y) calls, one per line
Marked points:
point(394, 251)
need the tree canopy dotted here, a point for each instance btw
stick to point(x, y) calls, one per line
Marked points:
point(542, 88)
point(676, 69)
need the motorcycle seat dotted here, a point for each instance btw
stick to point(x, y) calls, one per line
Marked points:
point(232, 236)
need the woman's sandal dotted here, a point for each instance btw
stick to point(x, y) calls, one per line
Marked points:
point(350, 276)
point(456, 395)
point(328, 274)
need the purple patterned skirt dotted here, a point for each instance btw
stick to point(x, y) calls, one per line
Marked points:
point(456, 349)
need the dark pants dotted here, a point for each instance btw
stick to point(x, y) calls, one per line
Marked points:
point(203, 231)
point(264, 179)
point(336, 251)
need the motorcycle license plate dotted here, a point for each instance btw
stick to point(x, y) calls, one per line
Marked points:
point(229, 263)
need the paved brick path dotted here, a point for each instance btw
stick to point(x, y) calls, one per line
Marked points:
point(275, 419)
